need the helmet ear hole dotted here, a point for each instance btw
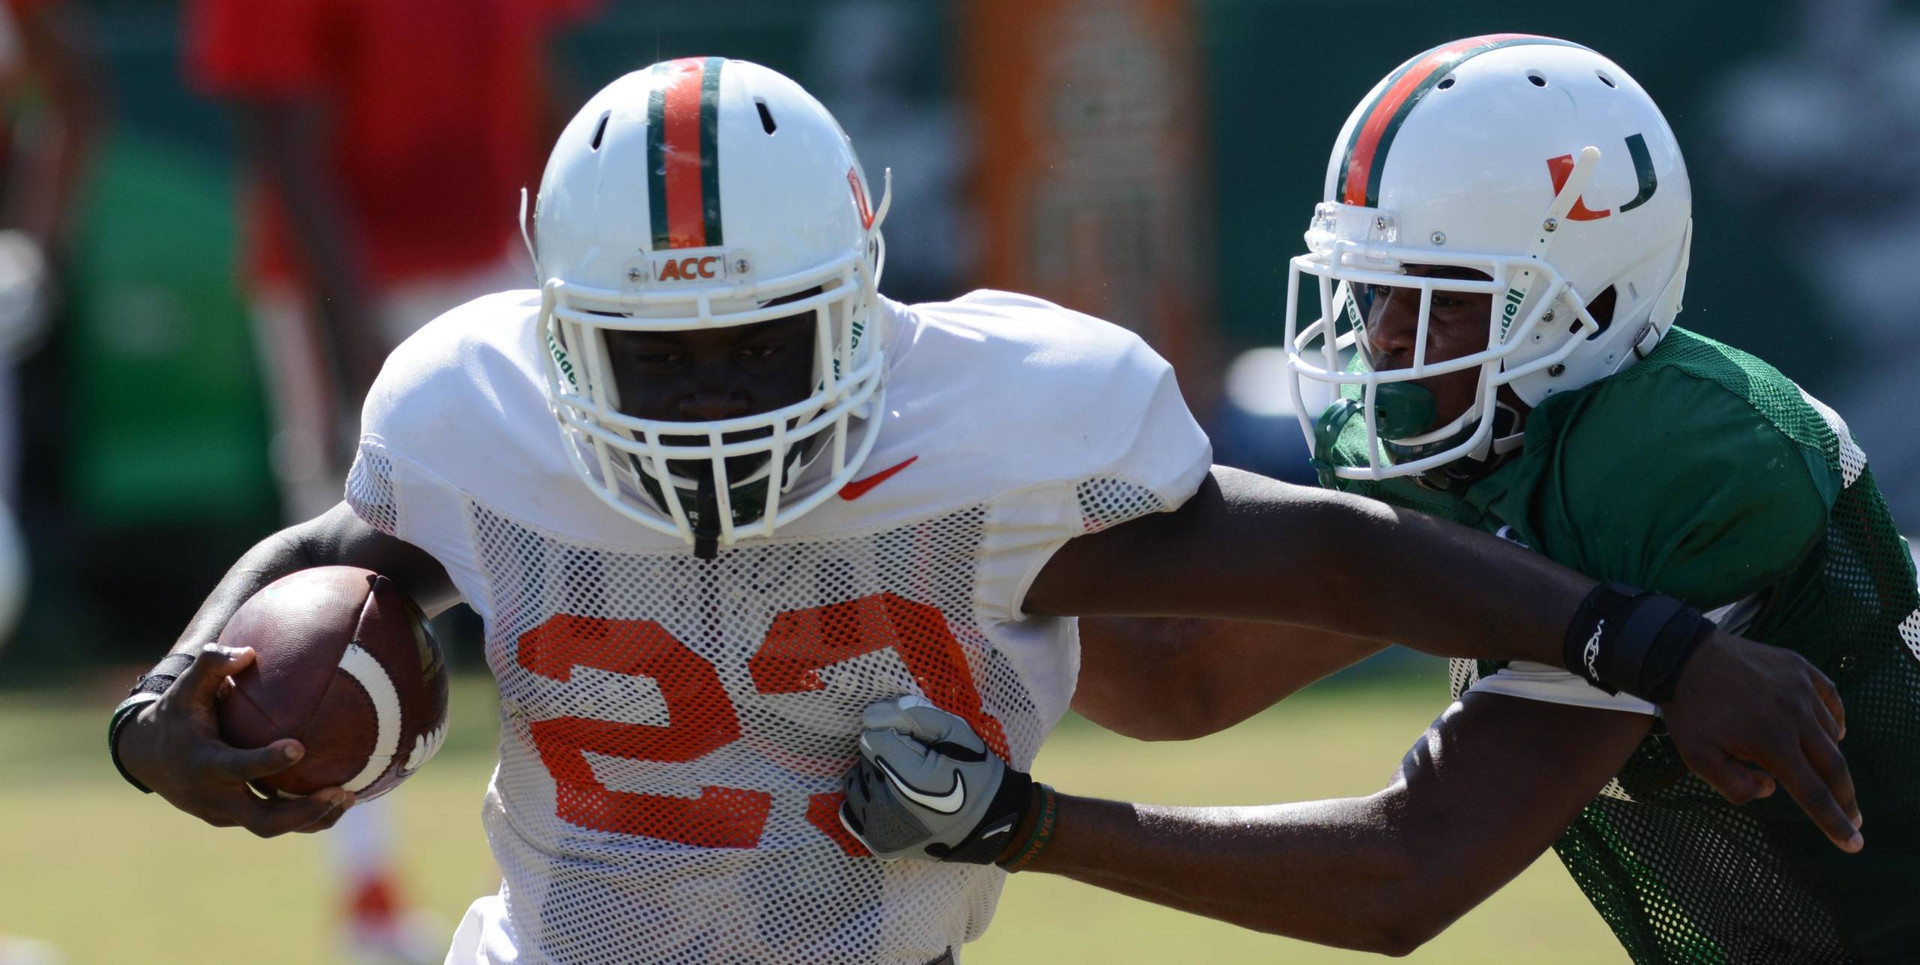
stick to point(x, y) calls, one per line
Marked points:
point(599, 131)
point(766, 116)
point(1601, 308)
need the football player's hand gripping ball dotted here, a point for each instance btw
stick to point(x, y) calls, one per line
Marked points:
point(926, 786)
point(173, 746)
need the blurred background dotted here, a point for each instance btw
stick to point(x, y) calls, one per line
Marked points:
point(180, 375)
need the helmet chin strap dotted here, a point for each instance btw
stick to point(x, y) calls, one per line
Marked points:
point(1478, 462)
point(704, 515)
point(706, 530)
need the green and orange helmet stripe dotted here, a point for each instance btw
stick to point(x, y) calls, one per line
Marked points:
point(1366, 153)
point(683, 153)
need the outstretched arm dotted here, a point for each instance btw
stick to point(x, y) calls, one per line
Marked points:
point(1489, 786)
point(1245, 547)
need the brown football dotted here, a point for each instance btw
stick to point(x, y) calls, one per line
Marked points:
point(344, 664)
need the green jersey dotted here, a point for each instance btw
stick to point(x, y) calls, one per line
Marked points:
point(1704, 473)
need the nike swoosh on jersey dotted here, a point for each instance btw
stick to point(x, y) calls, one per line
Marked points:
point(947, 803)
point(860, 487)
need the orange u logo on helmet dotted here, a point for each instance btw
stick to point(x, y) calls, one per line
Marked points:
point(1560, 168)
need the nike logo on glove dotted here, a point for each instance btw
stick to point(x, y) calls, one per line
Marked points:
point(949, 802)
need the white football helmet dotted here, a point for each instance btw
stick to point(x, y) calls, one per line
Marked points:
point(1533, 160)
point(690, 195)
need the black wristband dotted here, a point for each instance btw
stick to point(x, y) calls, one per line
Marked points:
point(128, 709)
point(1679, 638)
point(145, 691)
point(162, 675)
point(1622, 639)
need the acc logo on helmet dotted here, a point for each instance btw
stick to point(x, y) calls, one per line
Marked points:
point(703, 266)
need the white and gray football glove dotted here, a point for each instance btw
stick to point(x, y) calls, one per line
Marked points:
point(926, 786)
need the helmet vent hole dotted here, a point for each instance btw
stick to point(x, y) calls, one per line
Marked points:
point(1445, 82)
point(599, 131)
point(766, 116)
point(1534, 77)
point(1604, 79)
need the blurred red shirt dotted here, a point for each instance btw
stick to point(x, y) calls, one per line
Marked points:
point(437, 110)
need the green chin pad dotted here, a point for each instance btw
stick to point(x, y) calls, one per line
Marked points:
point(1401, 409)
point(1326, 433)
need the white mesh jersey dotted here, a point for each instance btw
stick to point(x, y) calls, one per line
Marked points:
point(674, 730)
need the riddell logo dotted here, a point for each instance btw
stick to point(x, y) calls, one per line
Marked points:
point(561, 361)
point(1515, 297)
point(689, 268)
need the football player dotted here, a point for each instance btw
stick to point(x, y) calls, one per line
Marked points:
point(774, 497)
point(1499, 259)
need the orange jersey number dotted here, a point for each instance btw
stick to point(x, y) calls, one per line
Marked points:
point(701, 718)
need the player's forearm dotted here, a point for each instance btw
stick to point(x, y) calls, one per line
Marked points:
point(1249, 548)
point(1479, 797)
point(1332, 872)
point(1178, 679)
point(1433, 586)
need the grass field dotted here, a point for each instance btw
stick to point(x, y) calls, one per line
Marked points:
point(105, 875)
